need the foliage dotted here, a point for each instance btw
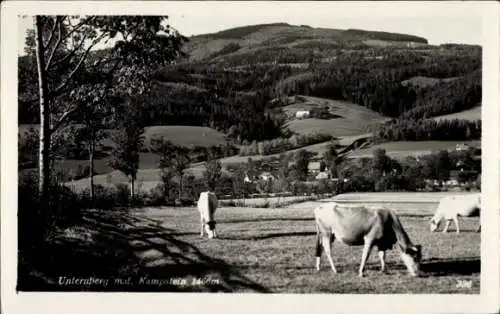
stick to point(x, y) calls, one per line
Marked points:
point(382, 173)
point(280, 145)
point(428, 130)
point(129, 140)
point(36, 225)
point(331, 160)
point(302, 159)
point(28, 148)
point(446, 97)
point(227, 49)
point(212, 174)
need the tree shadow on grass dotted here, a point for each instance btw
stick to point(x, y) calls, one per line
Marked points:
point(132, 254)
point(437, 267)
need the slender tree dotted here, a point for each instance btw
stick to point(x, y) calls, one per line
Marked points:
point(71, 72)
point(212, 174)
point(302, 164)
point(165, 149)
point(128, 140)
point(180, 162)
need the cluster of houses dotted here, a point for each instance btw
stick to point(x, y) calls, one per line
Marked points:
point(314, 169)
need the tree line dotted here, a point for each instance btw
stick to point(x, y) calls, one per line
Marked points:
point(427, 130)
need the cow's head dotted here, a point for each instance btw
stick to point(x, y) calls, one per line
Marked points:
point(412, 256)
point(434, 224)
point(210, 229)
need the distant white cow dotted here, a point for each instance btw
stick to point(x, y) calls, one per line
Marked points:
point(450, 207)
point(302, 114)
point(207, 205)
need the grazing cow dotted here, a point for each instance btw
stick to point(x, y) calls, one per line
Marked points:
point(207, 204)
point(302, 114)
point(450, 207)
point(359, 225)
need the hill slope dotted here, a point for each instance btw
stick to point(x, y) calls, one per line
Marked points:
point(470, 114)
point(249, 38)
point(347, 118)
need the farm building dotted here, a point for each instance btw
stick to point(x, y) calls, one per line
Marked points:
point(266, 176)
point(462, 147)
point(313, 167)
point(322, 175)
point(303, 114)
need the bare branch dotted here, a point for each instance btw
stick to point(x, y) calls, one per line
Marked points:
point(72, 53)
point(56, 46)
point(51, 34)
point(78, 26)
point(65, 116)
point(77, 67)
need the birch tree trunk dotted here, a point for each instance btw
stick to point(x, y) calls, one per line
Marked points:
point(44, 150)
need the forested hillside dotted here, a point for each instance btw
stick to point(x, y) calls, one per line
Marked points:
point(240, 83)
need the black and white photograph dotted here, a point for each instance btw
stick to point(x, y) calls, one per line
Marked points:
point(302, 149)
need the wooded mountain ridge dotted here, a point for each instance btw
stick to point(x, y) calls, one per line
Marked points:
point(245, 74)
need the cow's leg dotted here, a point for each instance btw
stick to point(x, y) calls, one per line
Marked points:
point(381, 255)
point(445, 229)
point(202, 225)
point(455, 219)
point(327, 241)
point(318, 248)
point(366, 253)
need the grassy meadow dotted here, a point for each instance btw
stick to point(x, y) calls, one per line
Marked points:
point(350, 119)
point(271, 250)
point(470, 114)
point(408, 148)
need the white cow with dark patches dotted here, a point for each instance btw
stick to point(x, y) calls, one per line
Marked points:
point(359, 225)
point(451, 207)
point(207, 205)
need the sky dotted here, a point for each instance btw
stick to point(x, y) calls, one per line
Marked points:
point(439, 24)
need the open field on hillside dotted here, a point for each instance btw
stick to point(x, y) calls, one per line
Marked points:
point(146, 179)
point(424, 81)
point(471, 114)
point(149, 174)
point(177, 134)
point(315, 148)
point(351, 119)
point(408, 148)
point(263, 250)
point(186, 135)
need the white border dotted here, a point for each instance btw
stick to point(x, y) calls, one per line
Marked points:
point(486, 302)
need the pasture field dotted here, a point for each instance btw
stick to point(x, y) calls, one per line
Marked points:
point(274, 249)
point(408, 148)
point(425, 81)
point(268, 250)
point(273, 201)
point(394, 197)
point(178, 134)
point(352, 119)
point(471, 114)
point(185, 135)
